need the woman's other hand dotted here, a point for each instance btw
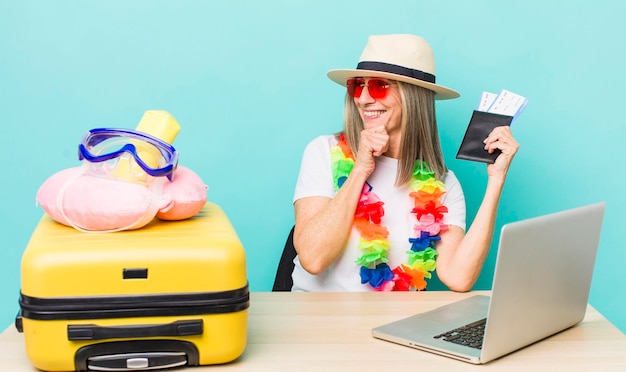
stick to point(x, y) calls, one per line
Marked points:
point(374, 142)
point(501, 138)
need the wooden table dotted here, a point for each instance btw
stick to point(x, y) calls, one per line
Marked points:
point(332, 331)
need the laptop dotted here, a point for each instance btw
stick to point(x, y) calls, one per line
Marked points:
point(540, 287)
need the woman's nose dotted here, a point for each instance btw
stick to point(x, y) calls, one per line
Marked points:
point(365, 96)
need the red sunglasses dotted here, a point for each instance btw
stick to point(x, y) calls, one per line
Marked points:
point(377, 88)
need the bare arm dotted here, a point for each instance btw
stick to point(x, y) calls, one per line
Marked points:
point(461, 256)
point(323, 225)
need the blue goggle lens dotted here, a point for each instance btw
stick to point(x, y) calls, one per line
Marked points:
point(154, 156)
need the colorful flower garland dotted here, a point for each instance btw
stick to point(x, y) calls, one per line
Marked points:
point(426, 193)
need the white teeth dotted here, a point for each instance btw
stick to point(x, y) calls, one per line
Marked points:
point(373, 113)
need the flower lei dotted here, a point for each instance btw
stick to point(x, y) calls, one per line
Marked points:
point(426, 192)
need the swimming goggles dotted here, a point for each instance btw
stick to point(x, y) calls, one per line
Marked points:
point(156, 157)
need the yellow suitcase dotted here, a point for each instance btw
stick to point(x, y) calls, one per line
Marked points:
point(172, 293)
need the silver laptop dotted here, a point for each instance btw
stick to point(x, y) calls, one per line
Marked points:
point(540, 287)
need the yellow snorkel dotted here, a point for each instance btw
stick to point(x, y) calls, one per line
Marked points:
point(157, 123)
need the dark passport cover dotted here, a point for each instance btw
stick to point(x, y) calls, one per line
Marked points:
point(480, 125)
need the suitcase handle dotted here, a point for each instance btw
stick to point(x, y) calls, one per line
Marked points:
point(94, 332)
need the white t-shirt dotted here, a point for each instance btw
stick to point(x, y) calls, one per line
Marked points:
point(315, 179)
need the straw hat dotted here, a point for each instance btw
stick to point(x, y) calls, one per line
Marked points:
point(406, 58)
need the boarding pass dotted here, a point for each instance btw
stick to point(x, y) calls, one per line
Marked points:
point(503, 103)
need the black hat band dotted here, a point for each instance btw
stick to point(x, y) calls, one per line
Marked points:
point(398, 70)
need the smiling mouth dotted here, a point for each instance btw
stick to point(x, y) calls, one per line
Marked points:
point(373, 114)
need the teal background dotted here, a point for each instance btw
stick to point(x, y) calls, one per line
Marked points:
point(246, 80)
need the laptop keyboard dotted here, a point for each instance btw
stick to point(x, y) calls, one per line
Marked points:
point(469, 335)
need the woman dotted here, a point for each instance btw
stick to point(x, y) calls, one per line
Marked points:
point(375, 206)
